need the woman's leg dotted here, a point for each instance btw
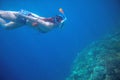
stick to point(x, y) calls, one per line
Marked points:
point(12, 25)
point(11, 16)
point(8, 15)
point(2, 22)
point(9, 25)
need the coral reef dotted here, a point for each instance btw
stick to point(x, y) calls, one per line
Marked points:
point(99, 61)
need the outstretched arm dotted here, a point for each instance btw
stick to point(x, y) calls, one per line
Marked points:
point(39, 20)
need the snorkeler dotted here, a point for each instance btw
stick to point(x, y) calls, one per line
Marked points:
point(15, 19)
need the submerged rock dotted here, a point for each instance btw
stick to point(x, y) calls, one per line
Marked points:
point(99, 61)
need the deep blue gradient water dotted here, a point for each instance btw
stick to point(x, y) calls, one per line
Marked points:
point(26, 54)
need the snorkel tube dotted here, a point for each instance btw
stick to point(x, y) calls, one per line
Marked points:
point(63, 16)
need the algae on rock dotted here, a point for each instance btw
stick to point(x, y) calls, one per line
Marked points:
point(99, 61)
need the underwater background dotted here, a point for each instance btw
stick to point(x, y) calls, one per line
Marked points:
point(26, 54)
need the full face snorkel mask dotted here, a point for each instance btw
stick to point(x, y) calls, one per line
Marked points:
point(63, 17)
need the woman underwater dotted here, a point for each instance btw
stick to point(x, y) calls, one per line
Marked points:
point(20, 18)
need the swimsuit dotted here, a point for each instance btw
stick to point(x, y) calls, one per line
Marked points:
point(22, 19)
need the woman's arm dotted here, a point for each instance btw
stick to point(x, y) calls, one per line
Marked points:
point(31, 18)
point(45, 23)
point(38, 20)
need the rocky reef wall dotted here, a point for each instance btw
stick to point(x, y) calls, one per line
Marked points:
point(98, 61)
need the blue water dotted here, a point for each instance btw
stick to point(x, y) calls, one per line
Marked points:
point(26, 54)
